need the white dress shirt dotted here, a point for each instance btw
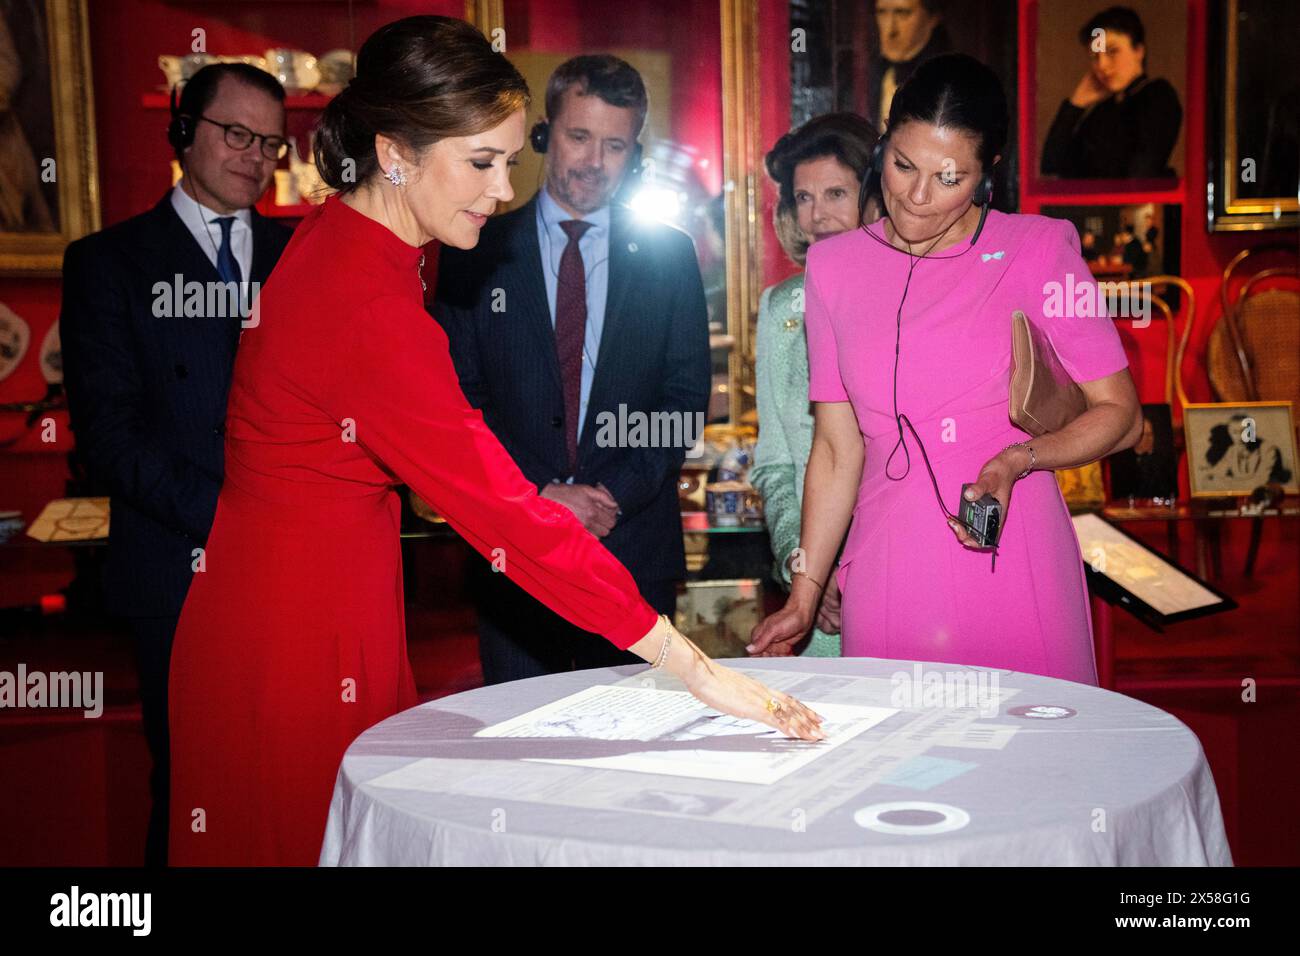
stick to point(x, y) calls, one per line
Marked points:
point(203, 226)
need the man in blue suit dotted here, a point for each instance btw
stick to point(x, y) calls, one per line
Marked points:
point(151, 316)
point(582, 335)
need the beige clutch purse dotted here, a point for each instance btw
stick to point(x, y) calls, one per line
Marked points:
point(1043, 396)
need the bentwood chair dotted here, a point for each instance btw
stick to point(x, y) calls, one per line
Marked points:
point(1253, 354)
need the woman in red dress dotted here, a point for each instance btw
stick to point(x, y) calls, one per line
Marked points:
point(292, 639)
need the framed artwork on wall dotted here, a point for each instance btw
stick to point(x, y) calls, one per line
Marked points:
point(719, 615)
point(1111, 89)
point(1125, 242)
point(1253, 147)
point(1148, 472)
point(1233, 449)
point(49, 184)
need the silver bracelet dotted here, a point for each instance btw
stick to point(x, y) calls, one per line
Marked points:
point(668, 639)
point(1033, 459)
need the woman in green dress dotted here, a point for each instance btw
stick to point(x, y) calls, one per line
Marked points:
point(818, 170)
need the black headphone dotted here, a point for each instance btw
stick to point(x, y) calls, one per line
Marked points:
point(180, 131)
point(872, 183)
point(540, 138)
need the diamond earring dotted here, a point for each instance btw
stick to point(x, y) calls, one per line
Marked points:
point(396, 176)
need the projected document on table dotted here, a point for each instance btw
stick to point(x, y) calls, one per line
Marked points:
point(670, 732)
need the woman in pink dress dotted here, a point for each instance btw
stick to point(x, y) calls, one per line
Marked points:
point(935, 283)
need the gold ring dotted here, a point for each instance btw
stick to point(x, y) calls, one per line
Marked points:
point(773, 705)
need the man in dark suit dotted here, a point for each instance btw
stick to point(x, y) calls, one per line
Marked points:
point(151, 317)
point(581, 333)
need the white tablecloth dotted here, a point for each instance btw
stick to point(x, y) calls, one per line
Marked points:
point(1033, 772)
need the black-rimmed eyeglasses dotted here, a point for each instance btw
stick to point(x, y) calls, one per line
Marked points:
point(241, 137)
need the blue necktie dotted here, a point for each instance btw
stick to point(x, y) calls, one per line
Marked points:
point(227, 266)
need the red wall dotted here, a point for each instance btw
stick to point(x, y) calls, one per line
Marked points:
point(774, 122)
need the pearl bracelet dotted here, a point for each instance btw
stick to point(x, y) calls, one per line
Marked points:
point(668, 639)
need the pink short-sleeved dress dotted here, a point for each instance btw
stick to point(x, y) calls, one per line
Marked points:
point(911, 591)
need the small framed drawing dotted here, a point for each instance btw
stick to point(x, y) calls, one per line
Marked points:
point(1235, 448)
point(1083, 488)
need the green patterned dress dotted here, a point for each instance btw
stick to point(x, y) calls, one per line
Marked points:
point(785, 429)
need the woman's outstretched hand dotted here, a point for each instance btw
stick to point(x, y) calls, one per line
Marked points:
point(728, 690)
point(732, 692)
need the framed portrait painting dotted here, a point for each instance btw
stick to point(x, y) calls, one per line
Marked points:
point(49, 189)
point(1110, 93)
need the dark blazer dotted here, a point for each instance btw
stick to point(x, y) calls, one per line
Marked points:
point(147, 396)
point(654, 357)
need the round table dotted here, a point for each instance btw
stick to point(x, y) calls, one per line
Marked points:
point(967, 766)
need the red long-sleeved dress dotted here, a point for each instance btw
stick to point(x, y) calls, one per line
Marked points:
point(292, 638)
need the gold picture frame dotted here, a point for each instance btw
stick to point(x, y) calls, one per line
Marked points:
point(75, 167)
point(1235, 25)
point(742, 158)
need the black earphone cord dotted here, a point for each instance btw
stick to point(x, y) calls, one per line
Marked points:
point(899, 418)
